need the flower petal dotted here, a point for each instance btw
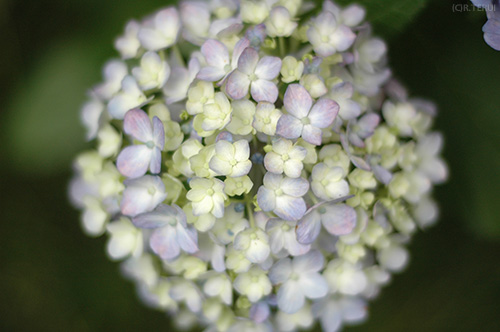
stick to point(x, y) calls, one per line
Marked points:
point(297, 101)
point(263, 90)
point(289, 208)
point(290, 297)
point(158, 133)
point(266, 199)
point(313, 261)
point(164, 243)
point(155, 164)
point(281, 271)
point(248, 61)
point(240, 46)
point(133, 161)
point(160, 217)
point(312, 134)
point(215, 53)
point(268, 68)
point(289, 127)
point(308, 227)
point(323, 113)
point(295, 187)
point(187, 238)
point(210, 74)
point(241, 150)
point(137, 124)
point(339, 219)
point(237, 85)
point(314, 285)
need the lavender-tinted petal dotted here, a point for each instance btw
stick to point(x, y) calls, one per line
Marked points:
point(382, 174)
point(492, 33)
point(323, 113)
point(237, 85)
point(367, 125)
point(259, 312)
point(297, 101)
point(295, 186)
point(293, 246)
point(313, 261)
point(210, 74)
point(289, 208)
point(160, 217)
point(163, 241)
point(312, 134)
point(360, 163)
point(314, 286)
point(263, 90)
point(248, 61)
point(281, 271)
point(187, 238)
point(215, 53)
point(290, 297)
point(158, 133)
point(268, 68)
point(266, 199)
point(155, 164)
point(289, 127)
point(308, 228)
point(240, 46)
point(137, 124)
point(133, 161)
point(339, 219)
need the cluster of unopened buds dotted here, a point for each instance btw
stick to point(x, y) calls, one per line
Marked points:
point(255, 166)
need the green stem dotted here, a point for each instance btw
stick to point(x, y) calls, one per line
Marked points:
point(178, 55)
point(250, 214)
point(281, 42)
point(313, 198)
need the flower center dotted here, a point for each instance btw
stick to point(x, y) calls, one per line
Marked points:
point(150, 144)
point(305, 121)
point(233, 162)
point(285, 228)
point(324, 39)
point(294, 276)
point(267, 120)
point(151, 191)
point(285, 157)
point(279, 192)
point(253, 77)
point(227, 68)
point(322, 210)
point(210, 192)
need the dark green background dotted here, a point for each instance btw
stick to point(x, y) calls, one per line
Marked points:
point(54, 278)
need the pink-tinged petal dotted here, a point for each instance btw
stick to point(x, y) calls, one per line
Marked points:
point(312, 134)
point(158, 133)
point(211, 74)
point(339, 219)
point(215, 53)
point(163, 241)
point(297, 101)
point(160, 217)
point(313, 261)
point(308, 228)
point(268, 68)
point(367, 125)
point(133, 161)
point(240, 46)
point(237, 85)
point(344, 37)
point(314, 285)
point(290, 297)
point(289, 208)
point(263, 90)
point(295, 187)
point(281, 271)
point(323, 113)
point(266, 199)
point(248, 61)
point(187, 238)
point(289, 127)
point(155, 164)
point(137, 124)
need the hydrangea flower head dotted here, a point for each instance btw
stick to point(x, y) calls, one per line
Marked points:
point(254, 168)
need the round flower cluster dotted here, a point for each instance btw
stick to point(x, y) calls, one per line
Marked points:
point(255, 166)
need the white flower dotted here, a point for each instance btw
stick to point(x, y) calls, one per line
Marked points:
point(283, 196)
point(285, 157)
point(114, 72)
point(254, 242)
point(227, 227)
point(279, 23)
point(91, 113)
point(266, 118)
point(207, 196)
point(342, 93)
point(231, 159)
point(291, 69)
point(110, 141)
point(161, 30)
point(129, 97)
point(177, 86)
point(238, 186)
point(125, 239)
point(241, 117)
point(195, 16)
point(334, 156)
point(282, 236)
point(314, 85)
point(215, 115)
point(94, 216)
point(236, 260)
point(254, 284)
point(328, 37)
point(128, 45)
point(328, 182)
point(302, 319)
point(298, 279)
point(199, 95)
point(345, 277)
point(153, 73)
point(182, 156)
point(393, 257)
point(142, 195)
point(219, 285)
point(335, 311)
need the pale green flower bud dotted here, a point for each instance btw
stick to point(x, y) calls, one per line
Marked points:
point(291, 69)
point(314, 85)
point(254, 284)
point(362, 179)
point(110, 141)
point(238, 186)
point(279, 23)
point(254, 11)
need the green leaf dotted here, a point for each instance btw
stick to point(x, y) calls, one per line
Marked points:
point(389, 17)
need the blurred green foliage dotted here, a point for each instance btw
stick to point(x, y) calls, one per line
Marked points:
point(55, 278)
